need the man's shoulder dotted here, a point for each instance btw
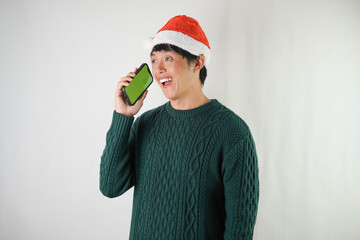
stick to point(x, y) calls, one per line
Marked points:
point(231, 124)
point(230, 119)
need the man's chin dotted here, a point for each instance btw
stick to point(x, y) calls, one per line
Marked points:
point(168, 95)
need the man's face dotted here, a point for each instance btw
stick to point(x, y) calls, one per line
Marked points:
point(173, 74)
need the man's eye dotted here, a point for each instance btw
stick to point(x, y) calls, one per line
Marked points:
point(168, 58)
point(153, 61)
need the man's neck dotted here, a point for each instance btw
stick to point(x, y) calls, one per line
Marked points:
point(191, 102)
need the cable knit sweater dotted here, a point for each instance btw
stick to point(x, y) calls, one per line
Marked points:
point(195, 173)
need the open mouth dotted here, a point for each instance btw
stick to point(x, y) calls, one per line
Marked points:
point(166, 81)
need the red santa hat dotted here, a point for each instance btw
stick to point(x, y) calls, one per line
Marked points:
point(186, 33)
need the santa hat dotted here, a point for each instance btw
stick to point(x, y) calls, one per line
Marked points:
point(186, 33)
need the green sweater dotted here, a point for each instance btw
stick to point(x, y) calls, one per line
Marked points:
point(195, 173)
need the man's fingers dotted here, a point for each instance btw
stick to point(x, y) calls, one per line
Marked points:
point(127, 79)
point(121, 84)
point(131, 74)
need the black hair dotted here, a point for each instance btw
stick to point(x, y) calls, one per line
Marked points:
point(185, 54)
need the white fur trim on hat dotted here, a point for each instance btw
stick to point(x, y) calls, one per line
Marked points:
point(183, 41)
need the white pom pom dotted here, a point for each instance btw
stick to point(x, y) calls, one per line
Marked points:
point(148, 43)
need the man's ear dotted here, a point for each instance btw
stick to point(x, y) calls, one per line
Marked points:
point(199, 62)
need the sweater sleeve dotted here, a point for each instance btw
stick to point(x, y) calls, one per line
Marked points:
point(117, 160)
point(241, 187)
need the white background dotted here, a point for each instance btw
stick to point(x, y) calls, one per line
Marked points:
point(290, 69)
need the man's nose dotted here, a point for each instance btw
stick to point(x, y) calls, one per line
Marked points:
point(162, 68)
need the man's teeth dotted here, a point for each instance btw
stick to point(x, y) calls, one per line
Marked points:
point(165, 80)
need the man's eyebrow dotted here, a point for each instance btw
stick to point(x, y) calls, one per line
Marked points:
point(153, 54)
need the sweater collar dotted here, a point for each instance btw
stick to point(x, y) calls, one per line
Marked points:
point(191, 112)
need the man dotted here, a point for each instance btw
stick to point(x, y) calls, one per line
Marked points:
point(192, 161)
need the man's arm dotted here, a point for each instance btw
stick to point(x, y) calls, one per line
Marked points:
point(241, 184)
point(117, 161)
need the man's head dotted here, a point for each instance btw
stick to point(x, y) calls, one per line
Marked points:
point(177, 77)
point(184, 36)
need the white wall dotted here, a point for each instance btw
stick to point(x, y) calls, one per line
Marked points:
point(298, 85)
point(289, 69)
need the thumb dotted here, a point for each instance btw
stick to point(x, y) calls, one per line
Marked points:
point(141, 99)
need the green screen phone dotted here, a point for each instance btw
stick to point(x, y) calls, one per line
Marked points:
point(138, 85)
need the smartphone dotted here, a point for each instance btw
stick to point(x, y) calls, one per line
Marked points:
point(138, 85)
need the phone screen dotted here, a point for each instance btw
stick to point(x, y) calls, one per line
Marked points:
point(138, 85)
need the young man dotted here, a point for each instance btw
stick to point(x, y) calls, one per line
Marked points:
point(192, 161)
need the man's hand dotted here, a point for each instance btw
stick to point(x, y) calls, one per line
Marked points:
point(120, 105)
